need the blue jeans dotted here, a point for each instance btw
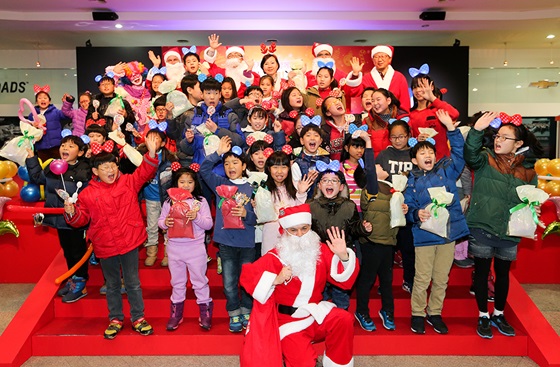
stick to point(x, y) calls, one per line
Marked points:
point(111, 267)
point(340, 297)
point(232, 260)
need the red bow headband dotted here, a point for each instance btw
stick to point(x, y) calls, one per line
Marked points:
point(175, 166)
point(97, 148)
point(100, 122)
point(37, 89)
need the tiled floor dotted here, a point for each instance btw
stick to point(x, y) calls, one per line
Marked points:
point(546, 297)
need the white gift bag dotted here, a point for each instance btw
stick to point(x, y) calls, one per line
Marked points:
point(523, 220)
point(16, 149)
point(264, 205)
point(439, 220)
point(397, 200)
point(115, 105)
point(180, 102)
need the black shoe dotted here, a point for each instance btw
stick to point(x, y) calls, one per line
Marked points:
point(417, 325)
point(502, 325)
point(437, 322)
point(483, 329)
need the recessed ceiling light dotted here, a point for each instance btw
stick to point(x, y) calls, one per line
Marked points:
point(550, 36)
point(361, 40)
point(272, 40)
point(475, 89)
point(182, 41)
point(118, 26)
point(518, 86)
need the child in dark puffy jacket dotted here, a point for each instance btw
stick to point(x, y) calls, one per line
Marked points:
point(332, 206)
point(434, 254)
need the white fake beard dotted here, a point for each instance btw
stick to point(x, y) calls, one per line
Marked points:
point(234, 69)
point(315, 68)
point(175, 71)
point(301, 253)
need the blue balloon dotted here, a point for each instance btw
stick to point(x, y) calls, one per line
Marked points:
point(30, 193)
point(23, 173)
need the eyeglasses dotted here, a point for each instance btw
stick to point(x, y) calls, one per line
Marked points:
point(380, 57)
point(161, 109)
point(330, 181)
point(332, 102)
point(255, 94)
point(105, 84)
point(502, 138)
point(400, 137)
point(109, 168)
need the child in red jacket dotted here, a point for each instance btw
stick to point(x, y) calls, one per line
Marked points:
point(116, 229)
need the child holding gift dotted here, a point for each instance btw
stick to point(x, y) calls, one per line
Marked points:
point(497, 173)
point(434, 254)
point(235, 226)
point(186, 251)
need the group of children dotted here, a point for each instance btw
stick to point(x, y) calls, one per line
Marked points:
point(344, 165)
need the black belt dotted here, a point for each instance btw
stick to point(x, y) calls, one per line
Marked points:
point(286, 310)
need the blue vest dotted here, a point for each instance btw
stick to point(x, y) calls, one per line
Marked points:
point(220, 117)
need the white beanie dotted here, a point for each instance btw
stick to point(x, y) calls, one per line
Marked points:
point(386, 49)
point(318, 47)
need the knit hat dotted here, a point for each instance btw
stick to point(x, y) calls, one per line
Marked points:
point(386, 49)
point(318, 47)
point(171, 52)
point(239, 49)
point(294, 216)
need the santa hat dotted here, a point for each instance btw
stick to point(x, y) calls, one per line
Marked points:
point(318, 47)
point(239, 49)
point(386, 49)
point(294, 216)
point(171, 52)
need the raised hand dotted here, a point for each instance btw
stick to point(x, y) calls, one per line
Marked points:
point(250, 63)
point(119, 68)
point(225, 145)
point(214, 41)
point(446, 120)
point(306, 181)
point(156, 60)
point(426, 89)
point(151, 144)
point(356, 66)
point(337, 242)
point(484, 121)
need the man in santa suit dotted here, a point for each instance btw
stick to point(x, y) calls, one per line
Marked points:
point(174, 68)
point(236, 67)
point(381, 76)
point(289, 313)
point(323, 57)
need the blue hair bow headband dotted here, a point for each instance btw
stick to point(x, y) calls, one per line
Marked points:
point(315, 120)
point(328, 64)
point(186, 50)
point(405, 119)
point(413, 141)
point(66, 132)
point(424, 69)
point(110, 74)
point(162, 126)
point(202, 77)
point(353, 128)
point(333, 166)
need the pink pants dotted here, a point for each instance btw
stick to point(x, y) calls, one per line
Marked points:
point(191, 258)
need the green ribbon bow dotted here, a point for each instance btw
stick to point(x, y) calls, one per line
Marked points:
point(26, 136)
point(221, 202)
point(435, 207)
point(119, 98)
point(530, 204)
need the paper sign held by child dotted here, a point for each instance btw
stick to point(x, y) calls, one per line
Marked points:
point(439, 221)
point(523, 220)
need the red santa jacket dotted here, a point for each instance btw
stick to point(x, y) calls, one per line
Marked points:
point(427, 118)
point(112, 211)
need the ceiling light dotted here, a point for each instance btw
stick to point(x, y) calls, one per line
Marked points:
point(550, 36)
point(475, 89)
point(361, 40)
point(182, 41)
point(118, 26)
point(518, 86)
point(505, 54)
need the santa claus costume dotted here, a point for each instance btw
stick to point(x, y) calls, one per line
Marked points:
point(287, 318)
point(174, 68)
point(391, 80)
point(319, 62)
point(235, 68)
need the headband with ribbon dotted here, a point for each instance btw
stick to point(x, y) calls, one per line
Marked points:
point(413, 141)
point(187, 50)
point(67, 132)
point(100, 122)
point(98, 77)
point(287, 149)
point(315, 120)
point(97, 148)
point(328, 64)
point(405, 119)
point(202, 77)
point(268, 50)
point(424, 69)
point(162, 70)
point(162, 126)
point(252, 138)
point(237, 150)
point(267, 152)
point(333, 166)
point(37, 88)
point(175, 166)
point(195, 167)
point(353, 128)
point(504, 118)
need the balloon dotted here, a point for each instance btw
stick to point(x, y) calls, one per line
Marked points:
point(23, 173)
point(11, 189)
point(30, 193)
point(553, 167)
point(58, 166)
point(552, 188)
point(541, 166)
point(542, 184)
point(73, 269)
point(553, 227)
point(22, 103)
point(2, 190)
point(12, 168)
point(4, 170)
point(7, 226)
point(3, 200)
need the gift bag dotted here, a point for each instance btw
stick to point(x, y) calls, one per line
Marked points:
point(180, 102)
point(16, 149)
point(264, 206)
point(182, 227)
point(439, 220)
point(397, 200)
point(211, 141)
point(115, 105)
point(226, 204)
point(523, 220)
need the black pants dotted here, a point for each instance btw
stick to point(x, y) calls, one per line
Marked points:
point(405, 244)
point(501, 284)
point(74, 247)
point(377, 260)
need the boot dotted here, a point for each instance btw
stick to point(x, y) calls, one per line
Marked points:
point(176, 316)
point(151, 253)
point(164, 261)
point(205, 319)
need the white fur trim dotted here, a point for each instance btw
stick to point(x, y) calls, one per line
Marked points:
point(210, 59)
point(171, 53)
point(313, 312)
point(294, 327)
point(264, 287)
point(349, 267)
point(381, 48)
point(353, 82)
point(386, 81)
point(322, 47)
point(295, 220)
point(306, 290)
point(327, 362)
point(235, 49)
